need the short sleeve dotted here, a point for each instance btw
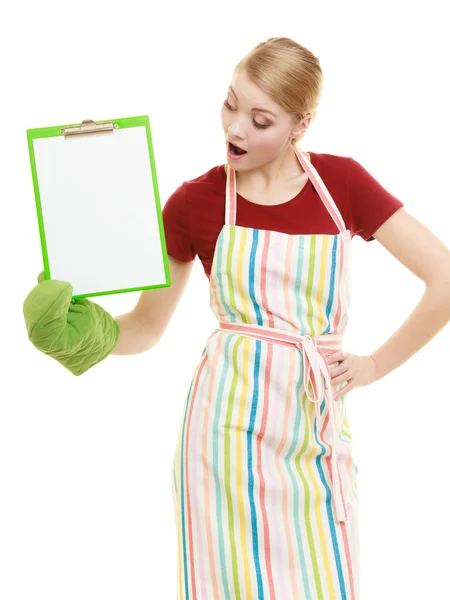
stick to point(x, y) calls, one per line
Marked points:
point(370, 203)
point(175, 215)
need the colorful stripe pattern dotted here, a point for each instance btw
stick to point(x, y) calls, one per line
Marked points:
point(260, 464)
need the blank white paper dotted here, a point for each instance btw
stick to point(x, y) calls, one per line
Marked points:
point(99, 211)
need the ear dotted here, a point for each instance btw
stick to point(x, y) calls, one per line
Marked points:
point(301, 126)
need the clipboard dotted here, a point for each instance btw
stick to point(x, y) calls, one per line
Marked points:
point(98, 206)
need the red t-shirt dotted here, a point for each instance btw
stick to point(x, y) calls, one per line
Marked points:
point(195, 213)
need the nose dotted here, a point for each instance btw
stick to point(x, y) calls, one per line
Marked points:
point(234, 132)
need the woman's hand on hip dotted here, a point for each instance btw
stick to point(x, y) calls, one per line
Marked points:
point(357, 370)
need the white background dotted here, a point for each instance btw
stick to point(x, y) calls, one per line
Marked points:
point(85, 462)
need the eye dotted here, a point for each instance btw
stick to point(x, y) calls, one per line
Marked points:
point(255, 123)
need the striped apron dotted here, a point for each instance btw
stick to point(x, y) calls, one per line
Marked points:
point(263, 480)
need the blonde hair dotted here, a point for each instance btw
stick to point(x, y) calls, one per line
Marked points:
point(288, 72)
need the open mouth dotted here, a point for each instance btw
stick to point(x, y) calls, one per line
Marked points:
point(235, 149)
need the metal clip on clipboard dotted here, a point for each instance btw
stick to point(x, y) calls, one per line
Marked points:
point(88, 127)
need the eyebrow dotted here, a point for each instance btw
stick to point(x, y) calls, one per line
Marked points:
point(256, 107)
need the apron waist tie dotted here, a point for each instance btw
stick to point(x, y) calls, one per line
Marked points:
point(317, 374)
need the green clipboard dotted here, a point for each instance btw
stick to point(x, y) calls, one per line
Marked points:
point(98, 206)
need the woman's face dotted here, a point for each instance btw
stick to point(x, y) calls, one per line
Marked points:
point(264, 135)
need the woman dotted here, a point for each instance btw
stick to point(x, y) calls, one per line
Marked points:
point(264, 481)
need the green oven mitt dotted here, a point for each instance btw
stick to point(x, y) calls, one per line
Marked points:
point(74, 331)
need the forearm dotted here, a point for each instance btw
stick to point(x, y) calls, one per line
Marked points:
point(430, 315)
point(135, 337)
